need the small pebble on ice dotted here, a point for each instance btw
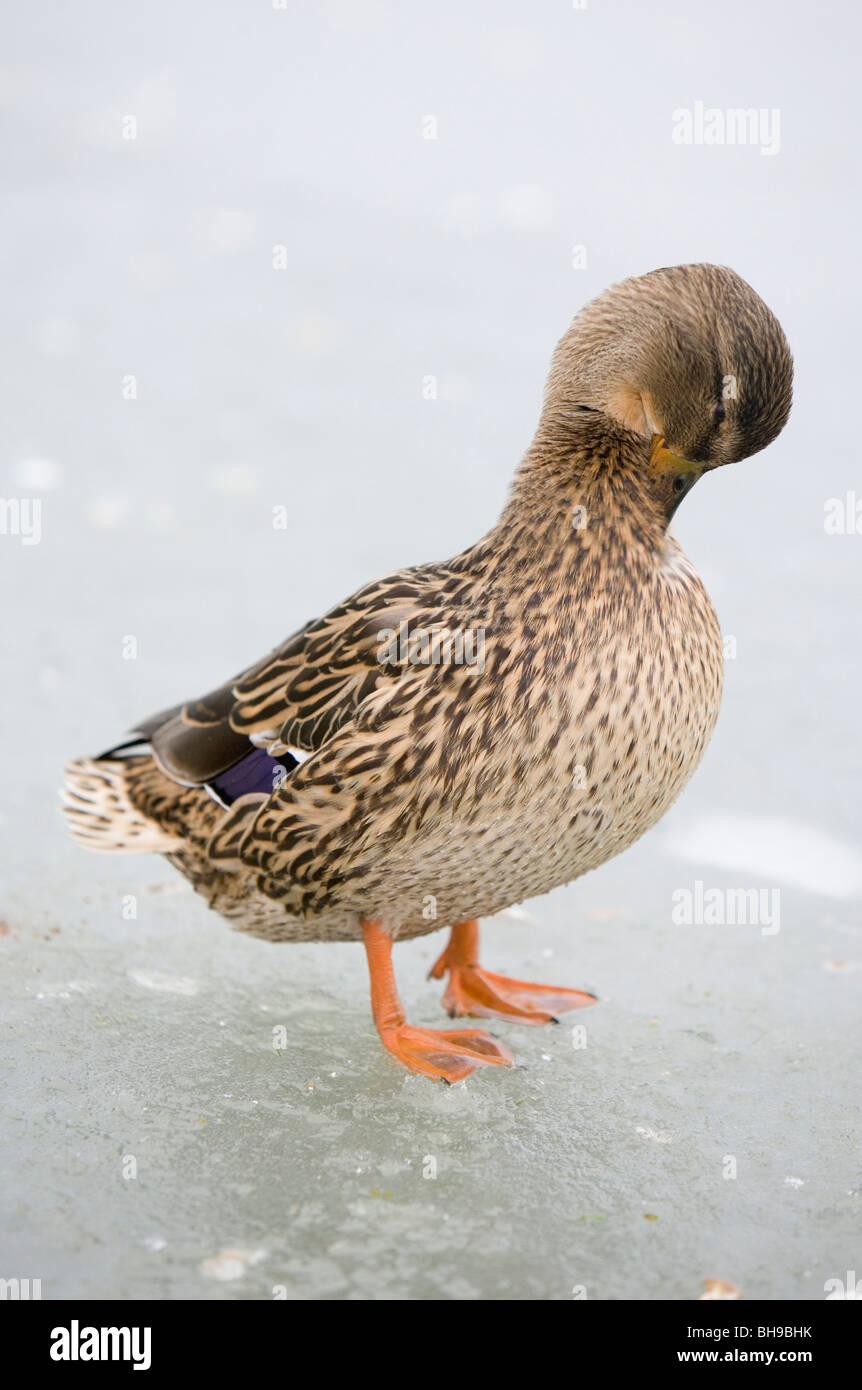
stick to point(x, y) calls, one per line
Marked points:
point(230, 1264)
point(719, 1288)
point(658, 1136)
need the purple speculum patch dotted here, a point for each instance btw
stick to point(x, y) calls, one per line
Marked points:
point(256, 772)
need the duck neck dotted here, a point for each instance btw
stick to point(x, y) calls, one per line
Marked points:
point(581, 490)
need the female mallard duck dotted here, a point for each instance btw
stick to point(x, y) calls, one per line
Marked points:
point(461, 736)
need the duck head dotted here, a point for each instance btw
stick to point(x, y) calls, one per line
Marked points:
point(690, 359)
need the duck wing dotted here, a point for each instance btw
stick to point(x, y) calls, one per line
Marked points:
point(305, 690)
point(378, 735)
point(293, 701)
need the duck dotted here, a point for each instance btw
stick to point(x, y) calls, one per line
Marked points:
point(460, 736)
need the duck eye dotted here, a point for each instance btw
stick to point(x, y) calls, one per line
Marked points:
point(679, 484)
point(720, 412)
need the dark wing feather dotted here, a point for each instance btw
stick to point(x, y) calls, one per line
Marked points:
point(194, 753)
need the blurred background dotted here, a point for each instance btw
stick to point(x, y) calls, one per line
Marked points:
point(282, 282)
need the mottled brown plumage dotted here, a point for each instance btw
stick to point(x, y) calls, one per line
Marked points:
point(433, 794)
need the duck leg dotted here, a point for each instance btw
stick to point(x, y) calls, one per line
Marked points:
point(446, 1055)
point(472, 990)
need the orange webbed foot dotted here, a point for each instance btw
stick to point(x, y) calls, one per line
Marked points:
point(444, 1056)
point(482, 994)
point(447, 1056)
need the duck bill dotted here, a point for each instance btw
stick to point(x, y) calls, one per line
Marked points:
point(662, 461)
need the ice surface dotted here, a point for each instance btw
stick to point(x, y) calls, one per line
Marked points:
point(780, 850)
point(155, 1141)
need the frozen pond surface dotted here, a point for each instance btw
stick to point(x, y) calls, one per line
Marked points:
point(604, 1165)
point(155, 1143)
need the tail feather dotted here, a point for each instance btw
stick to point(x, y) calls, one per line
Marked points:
point(101, 814)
